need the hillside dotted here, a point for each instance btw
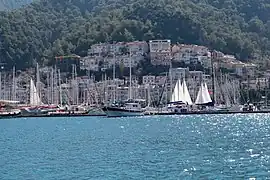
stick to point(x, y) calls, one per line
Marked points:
point(12, 4)
point(57, 27)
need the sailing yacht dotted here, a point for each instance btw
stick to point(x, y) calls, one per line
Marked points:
point(203, 97)
point(36, 107)
point(180, 98)
point(131, 107)
point(204, 100)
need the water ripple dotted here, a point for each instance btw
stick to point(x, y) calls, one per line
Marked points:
point(157, 147)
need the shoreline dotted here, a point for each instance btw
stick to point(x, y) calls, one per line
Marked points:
point(148, 114)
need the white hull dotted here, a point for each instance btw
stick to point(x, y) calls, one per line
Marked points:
point(28, 111)
point(11, 113)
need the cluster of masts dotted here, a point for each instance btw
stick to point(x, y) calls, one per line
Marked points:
point(180, 92)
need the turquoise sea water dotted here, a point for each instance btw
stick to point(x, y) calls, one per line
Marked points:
point(158, 147)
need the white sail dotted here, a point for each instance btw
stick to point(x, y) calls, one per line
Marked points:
point(206, 94)
point(34, 97)
point(174, 95)
point(177, 94)
point(203, 96)
point(199, 99)
point(186, 95)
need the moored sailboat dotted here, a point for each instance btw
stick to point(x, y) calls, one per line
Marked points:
point(131, 107)
point(203, 97)
point(204, 101)
point(180, 98)
point(36, 107)
point(9, 109)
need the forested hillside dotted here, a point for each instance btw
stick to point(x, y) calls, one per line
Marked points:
point(12, 4)
point(57, 27)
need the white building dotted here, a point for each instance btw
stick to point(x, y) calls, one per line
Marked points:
point(160, 52)
point(90, 63)
point(98, 49)
point(262, 83)
point(120, 48)
point(196, 77)
point(242, 69)
point(192, 54)
point(179, 73)
point(160, 45)
point(138, 47)
point(123, 60)
point(161, 58)
point(206, 61)
point(134, 80)
point(149, 80)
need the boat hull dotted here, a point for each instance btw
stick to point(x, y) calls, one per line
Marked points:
point(9, 115)
point(117, 112)
point(96, 112)
point(36, 111)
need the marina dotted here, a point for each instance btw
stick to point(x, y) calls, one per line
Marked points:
point(60, 90)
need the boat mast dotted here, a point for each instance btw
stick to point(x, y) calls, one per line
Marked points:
point(4, 86)
point(166, 86)
point(171, 81)
point(130, 90)
point(266, 93)
point(0, 85)
point(114, 85)
point(105, 89)
point(38, 81)
point(55, 82)
point(14, 85)
point(60, 88)
point(148, 96)
point(76, 83)
point(248, 96)
point(48, 90)
point(52, 87)
point(213, 55)
point(73, 85)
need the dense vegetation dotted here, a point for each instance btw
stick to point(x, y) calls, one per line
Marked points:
point(58, 27)
point(12, 4)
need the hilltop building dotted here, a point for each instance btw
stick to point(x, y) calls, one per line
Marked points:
point(160, 52)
